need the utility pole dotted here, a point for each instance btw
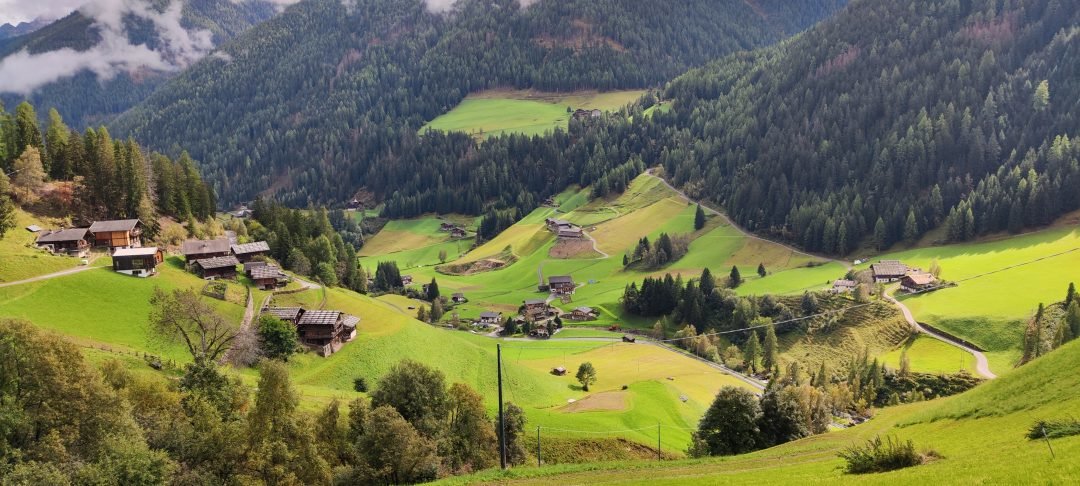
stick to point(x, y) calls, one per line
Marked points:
point(537, 446)
point(502, 423)
point(658, 458)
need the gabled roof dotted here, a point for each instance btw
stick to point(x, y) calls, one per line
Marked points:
point(195, 247)
point(133, 252)
point(842, 283)
point(319, 318)
point(70, 234)
point(266, 271)
point(535, 302)
point(457, 295)
point(218, 262)
point(350, 321)
point(889, 267)
point(33, 228)
point(114, 225)
point(490, 315)
point(284, 313)
point(920, 278)
point(560, 279)
point(256, 247)
point(584, 309)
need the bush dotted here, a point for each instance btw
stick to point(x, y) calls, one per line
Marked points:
point(359, 384)
point(883, 455)
point(1054, 429)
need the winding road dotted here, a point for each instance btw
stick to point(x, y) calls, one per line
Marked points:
point(982, 365)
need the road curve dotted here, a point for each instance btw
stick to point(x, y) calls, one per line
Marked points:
point(981, 363)
point(740, 229)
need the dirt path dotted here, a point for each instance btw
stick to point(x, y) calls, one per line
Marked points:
point(39, 278)
point(981, 363)
point(740, 229)
point(595, 247)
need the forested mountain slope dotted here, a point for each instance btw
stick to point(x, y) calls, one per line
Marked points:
point(108, 56)
point(313, 101)
point(888, 120)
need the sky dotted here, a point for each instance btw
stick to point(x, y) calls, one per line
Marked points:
point(15, 11)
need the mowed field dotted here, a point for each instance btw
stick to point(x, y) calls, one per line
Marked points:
point(19, 259)
point(979, 435)
point(496, 112)
point(992, 309)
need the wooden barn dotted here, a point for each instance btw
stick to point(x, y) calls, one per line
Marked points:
point(72, 241)
point(918, 282)
point(217, 267)
point(123, 233)
point(267, 277)
point(288, 314)
point(202, 249)
point(561, 284)
point(326, 330)
point(138, 262)
point(245, 252)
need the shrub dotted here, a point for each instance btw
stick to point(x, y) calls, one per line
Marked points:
point(1052, 429)
point(359, 384)
point(879, 455)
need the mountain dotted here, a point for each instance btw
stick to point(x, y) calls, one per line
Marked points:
point(8, 31)
point(108, 56)
point(308, 103)
point(889, 120)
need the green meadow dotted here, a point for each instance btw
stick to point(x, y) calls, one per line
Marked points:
point(979, 436)
point(497, 112)
point(21, 259)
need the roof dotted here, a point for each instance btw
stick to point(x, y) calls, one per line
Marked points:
point(250, 265)
point(888, 267)
point(255, 247)
point(585, 309)
point(266, 271)
point(218, 262)
point(33, 228)
point(490, 315)
point(319, 318)
point(845, 283)
point(133, 252)
point(284, 313)
point(194, 247)
point(560, 279)
point(115, 225)
point(70, 234)
point(920, 278)
point(350, 321)
point(572, 232)
point(457, 295)
point(535, 301)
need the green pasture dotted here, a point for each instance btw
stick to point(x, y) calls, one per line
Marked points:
point(928, 355)
point(20, 259)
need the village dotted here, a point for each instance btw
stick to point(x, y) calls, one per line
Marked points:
point(322, 331)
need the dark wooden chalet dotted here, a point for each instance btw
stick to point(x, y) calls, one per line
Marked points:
point(203, 249)
point(561, 284)
point(247, 251)
point(581, 314)
point(536, 309)
point(326, 330)
point(72, 241)
point(572, 232)
point(267, 277)
point(138, 262)
point(217, 267)
point(124, 233)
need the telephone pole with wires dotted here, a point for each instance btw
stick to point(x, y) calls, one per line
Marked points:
point(502, 420)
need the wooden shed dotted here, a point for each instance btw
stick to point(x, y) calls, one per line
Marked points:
point(217, 267)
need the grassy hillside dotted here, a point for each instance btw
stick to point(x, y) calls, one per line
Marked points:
point(495, 112)
point(991, 311)
point(981, 436)
point(21, 259)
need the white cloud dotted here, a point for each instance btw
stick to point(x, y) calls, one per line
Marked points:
point(15, 11)
point(23, 72)
point(440, 6)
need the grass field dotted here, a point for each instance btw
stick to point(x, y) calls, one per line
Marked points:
point(928, 355)
point(991, 311)
point(980, 436)
point(495, 112)
point(21, 259)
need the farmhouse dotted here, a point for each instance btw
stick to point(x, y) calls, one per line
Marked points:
point(561, 284)
point(458, 298)
point(217, 267)
point(918, 282)
point(456, 232)
point(539, 332)
point(583, 115)
point(888, 271)
point(581, 314)
point(406, 280)
point(536, 309)
point(353, 205)
point(139, 262)
point(326, 330)
point(124, 233)
point(490, 318)
point(571, 232)
point(203, 249)
point(267, 277)
point(70, 241)
point(844, 286)
point(247, 251)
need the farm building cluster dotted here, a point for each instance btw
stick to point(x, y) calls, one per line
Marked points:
point(324, 331)
point(219, 258)
point(912, 280)
point(564, 229)
point(538, 316)
point(455, 230)
point(125, 233)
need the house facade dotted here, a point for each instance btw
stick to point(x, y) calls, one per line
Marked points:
point(581, 314)
point(137, 262)
point(72, 241)
point(490, 318)
point(217, 267)
point(886, 271)
point(918, 282)
point(536, 309)
point(123, 233)
point(561, 284)
point(326, 330)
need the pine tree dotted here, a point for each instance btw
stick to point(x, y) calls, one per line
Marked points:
point(437, 310)
point(699, 218)
point(433, 290)
point(1070, 295)
point(911, 227)
point(1072, 319)
point(761, 270)
point(422, 314)
point(7, 207)
point(707, 283)
point(752, 352)
point(771, 358)
point(734, 279)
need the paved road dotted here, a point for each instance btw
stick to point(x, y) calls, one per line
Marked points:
point(740, 229)
point(39, 278)
point(981, 363)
